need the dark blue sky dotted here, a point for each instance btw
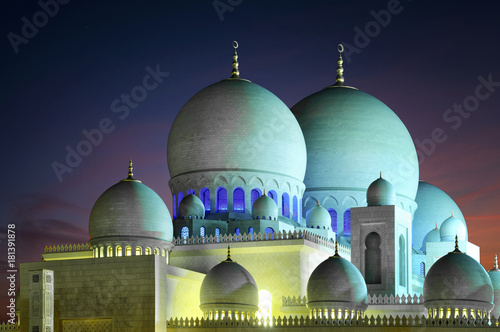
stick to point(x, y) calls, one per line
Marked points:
point(420, 59)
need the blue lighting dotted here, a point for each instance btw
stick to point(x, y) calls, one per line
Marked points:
point(221, 199)
point(238, 200)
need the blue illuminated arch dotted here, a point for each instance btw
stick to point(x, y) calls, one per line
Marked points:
point(237, 231)
point(217, 231)
point(205, 198)
point(347, 222)
point(221, 199)
point(285, 205)
point(202, 231)
point(333, 218)
point(273, 195)
point(295, 215)
point(250, 230)
point(184, 232)
point(174, 206)
point(254, 194)
point(239, 200)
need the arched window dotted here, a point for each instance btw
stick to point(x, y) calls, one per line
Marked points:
point(422, 269)
point(402, 261)
point(295, 208)
point(110, 251)
point(119, 251)
point(250, 230)
point(202, 231)
point(184, 232)
point(128, 251)
point(217, 231)
point(373, 259)
point(347, 222)
point(269, 232)
point(238, 200)
point(180, 196)
point(148, 251)
point(237, 231)
point(205, 198)
point(174, 201)
point(254, 194)
point(221, 199)
point(273, 195)
point(285, 205)
point(138, 251)
point(333, 218)
point(157, 251)
point(191, 191)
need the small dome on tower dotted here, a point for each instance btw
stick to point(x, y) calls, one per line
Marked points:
point(432, 236)
point(457, 279)
point(318, 216)
point(192, 207)
point(452, 227)
point(336, 284)
point(494, 275)
point(265, 207)
point(130, 213)
point(381, 192)
point(228, 286)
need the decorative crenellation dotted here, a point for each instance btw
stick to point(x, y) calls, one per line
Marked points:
point(68, 248)
point(293, 301)
point(398, 299)
point(9, 327)
point(372, 321)
point(344, 251)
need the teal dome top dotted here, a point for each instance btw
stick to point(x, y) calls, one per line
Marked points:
point(457, 278)
point(229, 286)
point(318, 216)
point(380, 192)
point(452, 227)
point(432, 236)
point(494, 275)
point(191, 206)
point(433, 205)
point(352, 136)
point(236, 125)
point(265, 207)
point(130, 209)
point(336, 282)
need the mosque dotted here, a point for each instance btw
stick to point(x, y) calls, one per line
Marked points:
point(308, 217)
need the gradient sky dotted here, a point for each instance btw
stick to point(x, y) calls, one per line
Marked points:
point(424, 58)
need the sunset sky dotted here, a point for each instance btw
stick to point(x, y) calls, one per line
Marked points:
point(435, 64)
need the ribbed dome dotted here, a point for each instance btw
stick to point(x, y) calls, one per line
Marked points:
point(336, 283)
point(266, 207)
point(433, 205)
point(229, 286)
point(352, 136)
point(432, 236)
point(236, 125)
point(452, 227)
point(130, 210)
point(318, 216)
point(380, 192)
point(494, 275)
point(458, 279)
point(191, 206)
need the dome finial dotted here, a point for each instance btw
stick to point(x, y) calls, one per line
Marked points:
point(495, 264)
point(340, 70)
point(452, 213)
point(336, 249)
point(456, 245)
point(264, 192)
point(228, 259)
point(436, 225)
point(130, 170)
point(381, 174)
point(236, 72)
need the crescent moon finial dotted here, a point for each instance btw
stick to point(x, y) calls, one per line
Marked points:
point(235, 44)
point(340, 48)
point(339, 81)
point(236, 72)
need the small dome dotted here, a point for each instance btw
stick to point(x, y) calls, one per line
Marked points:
point(432, 236)
point(494, 275)
point(336, 284)
point(433, 205)
point(191, 206)
point(130, 211)
point(381, 192)
point(265, 206)
point(318, 216)
point(452, 227)
point(458, 279)
point(229, 286)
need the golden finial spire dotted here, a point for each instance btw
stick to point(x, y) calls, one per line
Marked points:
point(495, 264)
point(381, 174)
point(336, 249)
point(456, 244)
point(130, 176)
point(340, 70)
point(264, 192)
point(452, 214)
point(228, 259)
point(236, 72)
point(436, 225)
